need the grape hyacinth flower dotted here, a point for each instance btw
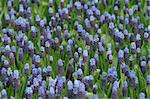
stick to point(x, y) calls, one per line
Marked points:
point(42, 92)
point(125, 89)
point(90, 41)
point(42, 52)
point(138, 40)
point(69, 51)
point(93, 64)
point(116, 10)
point(138, 53)
point(7, 50)
point(111, 28)
point(51, 59)
point(104, 80)
point(29, 92)
point(76, 56)
point(60, 67)
point(85, 56)
point(146, 36)
point(20, 52)
point(96, 57)
point(26, 69)
point(114, 92)
point(70, 89)
point(81, 90)
point(120, 56)
point(7, 17)
point(126, 53)
point(12, 59)
point(80, 73)
point(11, 97)
point(34, 31)
point(125, 70)
point(5, 63)
point(131, 61)
point(34, 72)
point(142, 95)
point(143, 67)
point(110, 57)
point(16, 80)
point(38, 20)
point(117, 46)
point(112, 74)
point(52, 93)
point(36, 60)
point(148, 80)
point(133, 47)
point(48, 71)
point(100, 48)
point(133, 80)
point(9, 74)
point(4, 94)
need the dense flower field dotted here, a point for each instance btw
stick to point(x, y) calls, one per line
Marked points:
point(74, 49)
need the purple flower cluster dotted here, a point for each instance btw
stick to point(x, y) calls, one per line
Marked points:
point(73, 49)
